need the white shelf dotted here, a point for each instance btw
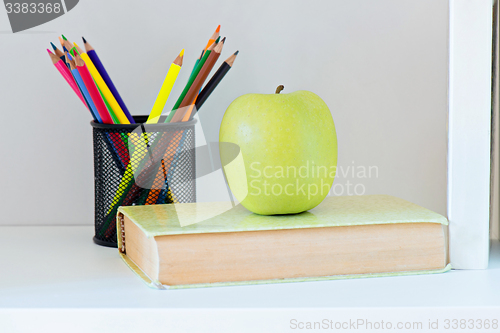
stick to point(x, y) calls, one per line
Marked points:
point(60, 267)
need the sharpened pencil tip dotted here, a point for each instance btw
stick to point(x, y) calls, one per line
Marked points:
point(218, 29)
point(217, 40)
point(236, 53)
point(50, 52)
point(84, 40)
point(65, 49)
point(223, 40)
point(53, 46)
point(182, 53)
point(64, 37)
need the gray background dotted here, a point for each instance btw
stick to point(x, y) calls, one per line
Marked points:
point(381, 66)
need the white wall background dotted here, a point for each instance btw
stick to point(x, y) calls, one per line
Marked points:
point(381, 66)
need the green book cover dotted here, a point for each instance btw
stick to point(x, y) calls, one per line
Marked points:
point(214, 217)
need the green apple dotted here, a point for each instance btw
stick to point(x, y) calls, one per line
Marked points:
point(287, 155)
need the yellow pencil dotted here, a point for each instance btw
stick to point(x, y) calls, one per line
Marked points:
point(122, 118)
point(165, 90)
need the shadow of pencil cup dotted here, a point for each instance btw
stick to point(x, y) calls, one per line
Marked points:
point(140, 164)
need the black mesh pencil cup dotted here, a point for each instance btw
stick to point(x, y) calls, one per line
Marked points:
point(140, 164)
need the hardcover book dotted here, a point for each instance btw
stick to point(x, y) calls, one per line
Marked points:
point(212, 244)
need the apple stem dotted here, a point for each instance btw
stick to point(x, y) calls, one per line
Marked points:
point(280, 88)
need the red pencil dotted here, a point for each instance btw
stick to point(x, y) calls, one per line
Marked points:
point(93, 91)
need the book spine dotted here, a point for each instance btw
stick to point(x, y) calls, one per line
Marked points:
point(122, 233)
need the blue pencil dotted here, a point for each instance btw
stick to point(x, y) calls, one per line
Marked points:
point(83, 89)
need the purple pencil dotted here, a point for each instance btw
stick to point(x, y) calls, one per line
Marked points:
point(100, 67)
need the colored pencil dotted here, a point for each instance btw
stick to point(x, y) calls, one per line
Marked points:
point(107, 79)
point(198, 82)
point(110, 110)
point(188, 104)
point(114, 141)
point(215, 80)
point(196, 63)
point(92, 88)
point(202, 74)
point(154, 193)
point(83, 89)
point(190, 82)
point(103, 87)
point(71, 48)
point(213, 38)
point(128, 188)
point(167, 160)
point(60, 54)
point(61, 41)
point(77, 50)
point(165, 90)
point(63, 69)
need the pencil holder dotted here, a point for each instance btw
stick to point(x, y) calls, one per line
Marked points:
point(140, 164)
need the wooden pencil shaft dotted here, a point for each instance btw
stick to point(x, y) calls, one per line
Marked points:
point(58, 53)
point(61, 41)
point(70, 47)
point(78, 48)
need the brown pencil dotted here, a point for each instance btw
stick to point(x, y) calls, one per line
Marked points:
point(198, 82)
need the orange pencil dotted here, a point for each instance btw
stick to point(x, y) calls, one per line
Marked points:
point(213, 38)
point(161, 174)
point(189, 112)
point(61, 41)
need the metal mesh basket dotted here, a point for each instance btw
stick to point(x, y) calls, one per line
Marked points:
point(140, 164)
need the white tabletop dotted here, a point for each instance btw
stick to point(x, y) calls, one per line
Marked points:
point(60, 267)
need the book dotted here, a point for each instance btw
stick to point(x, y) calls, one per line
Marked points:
point(212, 244)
